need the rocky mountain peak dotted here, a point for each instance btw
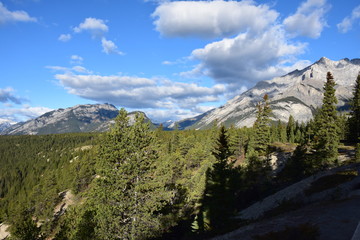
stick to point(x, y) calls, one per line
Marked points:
point(80, 118)
point(297, 93)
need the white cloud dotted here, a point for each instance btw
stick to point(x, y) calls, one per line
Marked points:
point(22, 114)
point(81, 69)
point(65, 37)
point(308, 20)
point(14, 16)
point(75, 59)
point(139, 93)
point(96, 27)
point(109, 47)
point(346, 24)
point(246, 58)
point(162, 115)
point(7, 96)
point(211, 18)
point(57, 68)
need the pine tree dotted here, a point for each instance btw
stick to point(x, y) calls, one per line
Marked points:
point(326, 124)
point(261, 126)
point(24, 228)
point(290, 129)
point(128, 196)
point(220, 193)
point(354, 119)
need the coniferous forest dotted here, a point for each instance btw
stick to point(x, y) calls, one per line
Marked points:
point(135, 183)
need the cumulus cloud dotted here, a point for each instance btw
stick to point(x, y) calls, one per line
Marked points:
point(346, 24)
point(246, 58)
point(210, 19)
point(7, 96)
point(254, 44)
point(162, 115)
point(110, 47)
point(308, 20)
point(22, 113)
point(64, 37)
point(139, 93)
point(96, 27)
point(14, 16)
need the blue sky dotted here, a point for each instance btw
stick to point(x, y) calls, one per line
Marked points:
point(170, 59)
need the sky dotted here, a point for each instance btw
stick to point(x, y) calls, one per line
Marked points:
point(169, 59)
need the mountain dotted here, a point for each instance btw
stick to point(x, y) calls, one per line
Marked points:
point(4, 126)
point(80, 118)
point(297, 93)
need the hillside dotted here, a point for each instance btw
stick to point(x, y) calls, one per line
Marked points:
point(80, 118)
point(298, 94)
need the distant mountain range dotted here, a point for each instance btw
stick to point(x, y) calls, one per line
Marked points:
point(80, 118)
point(298, 94)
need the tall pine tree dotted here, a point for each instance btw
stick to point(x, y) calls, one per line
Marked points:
point(354, 119)
point(220, 188)
point(261, 126)
point(290, 129)
point(326, 125)
point(128, 194)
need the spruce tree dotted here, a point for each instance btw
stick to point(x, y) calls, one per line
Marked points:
point(261, 126)
point(220, 193)
point(326, 124)
point(24, 228)
point(354, 119)
point(290, 129)
point(128, 194)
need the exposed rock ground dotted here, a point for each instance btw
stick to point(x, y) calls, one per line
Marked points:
point(334, 211)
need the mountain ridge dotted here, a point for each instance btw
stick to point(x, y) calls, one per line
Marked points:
point(297, 93)
point(79, 118)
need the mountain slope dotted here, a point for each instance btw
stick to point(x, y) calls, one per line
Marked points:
point(80, 118)
point(298, 93)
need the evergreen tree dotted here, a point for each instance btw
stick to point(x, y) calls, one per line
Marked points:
point(354, 119)
point(24, 228)
point(290, 129)
point(220, 193)
point(128, 195)
point(261, 126)
point(326, 124)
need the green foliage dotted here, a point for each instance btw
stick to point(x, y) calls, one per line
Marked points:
point(128, 194)
point(357, 153)
point(262, 128)
point(290, 129)
point(34, 169)
point(297, 166)
point(326, 124)
point(24, 227)
point(222, 179)
point(354, 119)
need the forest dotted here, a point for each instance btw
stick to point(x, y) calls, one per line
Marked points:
point(135, 183)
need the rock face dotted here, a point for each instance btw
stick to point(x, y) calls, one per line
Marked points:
point(80, 118)
point(298, 93)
